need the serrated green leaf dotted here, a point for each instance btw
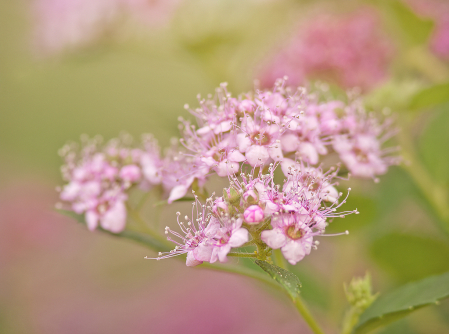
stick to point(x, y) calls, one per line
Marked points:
point(287, 279)
point(141, 238)
point(403, 301)
point(430, 97)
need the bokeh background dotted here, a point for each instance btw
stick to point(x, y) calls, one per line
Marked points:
point(72, 67)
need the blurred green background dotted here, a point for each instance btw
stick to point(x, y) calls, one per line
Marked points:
point(56, 277)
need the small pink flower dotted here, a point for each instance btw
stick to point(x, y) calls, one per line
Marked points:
point(292, 235)
point(253, 214)
point(228, 234)
point(206, 238)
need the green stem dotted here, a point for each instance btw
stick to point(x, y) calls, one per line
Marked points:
point(279, 259)
point(302, 309)
point(145, 228)
point(434, 193)
point(299, 304)
point(350, 320)
point(262, 277)
point(429, 65)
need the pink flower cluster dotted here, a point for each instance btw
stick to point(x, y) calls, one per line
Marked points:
point(437, 10)
point(250, 136)
point(283, 125)
point(253, 205)
point(349, 50)
point(99, 177)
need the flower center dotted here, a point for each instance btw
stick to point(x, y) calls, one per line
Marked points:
point(224, 240)
point(294, 233)
point(361, 155)
point(260, 138)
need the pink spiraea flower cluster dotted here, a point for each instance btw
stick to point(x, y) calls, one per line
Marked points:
point(99, 177)
point(249, 135)
point(71, 24)
point(256, 210)
point(349, 50)
point(284, 124)
point(437, 10)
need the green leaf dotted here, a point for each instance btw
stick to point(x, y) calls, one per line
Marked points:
point(410, 257)
point(415, 30)
point(139, 237)
point(288, 280)
point(403, 301)
point(430, 97)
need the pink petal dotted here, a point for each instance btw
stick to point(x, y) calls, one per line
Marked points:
point(243, 142)
point(223, 127)
point(223, 252)
point(238, 238)
point(114, 219)
point(274, 238)
point(191, 261)
point(203, 252)
point(236, 156)
point(288, 166)
point(257, 155)
point(293, 252)
point(289, 142)
point(308, 153)
point(226, 168)
point(91, 220)
point(177, 192)
point(275, 152)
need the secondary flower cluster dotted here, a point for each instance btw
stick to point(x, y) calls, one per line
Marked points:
point(347, 49)
point(99, 176)
point(255, 211)
point(288, 127)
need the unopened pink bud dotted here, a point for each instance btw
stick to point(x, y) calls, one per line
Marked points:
point(253, 214)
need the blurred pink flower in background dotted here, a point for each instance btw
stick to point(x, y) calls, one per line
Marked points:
point(62, 25)
point(437, 10)
point(70, 24)
point(349, 50)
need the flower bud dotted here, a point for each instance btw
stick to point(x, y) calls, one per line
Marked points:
point(254, 214)
point(359, 293)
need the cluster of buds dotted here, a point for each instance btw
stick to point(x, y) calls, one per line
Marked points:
point(255, 211)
